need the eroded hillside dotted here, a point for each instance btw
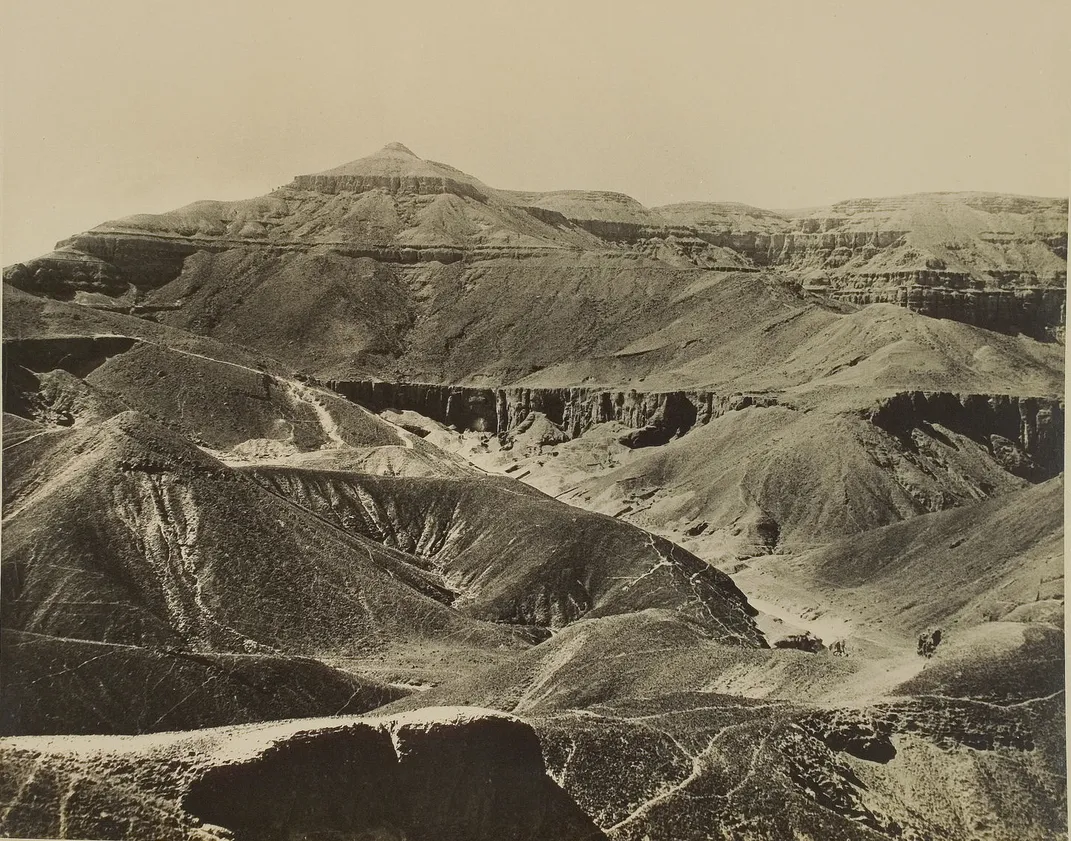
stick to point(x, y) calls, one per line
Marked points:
point(610, 521)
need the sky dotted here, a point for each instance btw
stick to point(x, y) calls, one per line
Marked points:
point(114, 107)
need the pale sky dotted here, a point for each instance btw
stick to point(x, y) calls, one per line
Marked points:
point(115, 107)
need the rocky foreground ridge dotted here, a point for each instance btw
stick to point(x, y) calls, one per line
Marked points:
point(442, 773)
point(993, 260)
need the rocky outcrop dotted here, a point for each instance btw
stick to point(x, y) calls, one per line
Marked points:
point(146, 262)
point(674, 416)
point(534, 432)
point(440, 773)
point(64, 273)
point(663, 415)
point(124, 262)
point(77, 354)
point(861, 733)
point(949, 722)
point(836, 263)
point(394, 169)
point(1025, 434)
point(996, 261)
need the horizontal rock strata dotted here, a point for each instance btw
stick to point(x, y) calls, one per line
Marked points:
point(575, 410)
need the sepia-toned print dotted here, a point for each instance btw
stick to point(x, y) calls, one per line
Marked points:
point(680, 459)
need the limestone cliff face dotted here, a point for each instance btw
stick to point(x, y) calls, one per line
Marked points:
point(992, 260)
point(996, 261)
point(1036, 311)
point(575, 410)
point(1025, 434)
point(417, 184)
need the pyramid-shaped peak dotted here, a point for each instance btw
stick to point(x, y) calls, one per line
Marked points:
point(397, 169)
point(397, 149)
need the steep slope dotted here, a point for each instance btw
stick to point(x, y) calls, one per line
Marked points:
point(883, 348)
point(16, 429)
point(63, 685)
point(150, 541)
point(242, 411)
point(122, 539)
point(758, 479)
point(789, 355)
point(995, 559)
point(139, 566)
point(492, 319)
point(511, 554)
point(446, 773)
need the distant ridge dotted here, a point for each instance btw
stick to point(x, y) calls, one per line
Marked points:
point(992, 260)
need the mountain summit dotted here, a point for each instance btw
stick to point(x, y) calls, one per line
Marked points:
point(395, 146)
point(394, 168)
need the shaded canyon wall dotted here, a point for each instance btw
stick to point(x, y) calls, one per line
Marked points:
point(1026, 432)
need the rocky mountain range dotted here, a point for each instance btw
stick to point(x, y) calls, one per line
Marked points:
point(994, 260)
point(394, 505)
